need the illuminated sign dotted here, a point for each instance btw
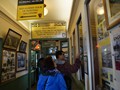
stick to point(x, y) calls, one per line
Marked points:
point(49, 30)
point(30, 9)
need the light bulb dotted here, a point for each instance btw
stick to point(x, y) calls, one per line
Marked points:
point(45, 11)
point(100, 11)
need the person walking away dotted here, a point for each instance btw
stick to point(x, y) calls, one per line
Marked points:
point(50, 78)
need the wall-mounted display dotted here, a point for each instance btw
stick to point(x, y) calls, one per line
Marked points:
point(8, 65)
point(64, 44)
point(21, 61)
point(22, 47)
point(102, 32)
point(106, 56)
point(112, 12)
point(52, 50)
point(116, 47)
point(12, 39)
point(115, 43)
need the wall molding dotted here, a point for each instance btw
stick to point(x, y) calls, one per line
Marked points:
point(15, 23)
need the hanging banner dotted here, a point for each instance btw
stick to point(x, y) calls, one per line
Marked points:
point(30, 9)
point(49, 30)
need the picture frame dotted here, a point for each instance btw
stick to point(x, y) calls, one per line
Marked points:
point(8, 65)
point(21, 61)
point(12, 39)
point(112, 12)
point(64, 44)
point(65, 50)
point(22, 47)
point(52, 50)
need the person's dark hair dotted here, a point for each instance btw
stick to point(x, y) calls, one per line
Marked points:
point(58, 53)
point(49, 65)
point(40, 62)
point(46, 64)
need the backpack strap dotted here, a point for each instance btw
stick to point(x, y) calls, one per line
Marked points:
point(45, 83)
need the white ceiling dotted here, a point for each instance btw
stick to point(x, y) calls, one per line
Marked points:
point(58, 10)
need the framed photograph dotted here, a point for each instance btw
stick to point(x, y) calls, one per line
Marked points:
point(21, 61)
point(65, 50)
point(12, 40)
point(106, 56)
point(22, 47)
point(64, 44)
point(52, 50)
point(8, 65)
point(112, 12)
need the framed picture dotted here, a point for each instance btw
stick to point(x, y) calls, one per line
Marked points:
point(22, 47)
point(64, 44)
point(21, 61)
point(12, 40)
point(112, 12)
point(51, 50)
point(8, 65)
point(65, 50)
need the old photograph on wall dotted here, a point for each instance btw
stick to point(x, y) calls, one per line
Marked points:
point(22, 47)
point(12, 40)
point(116, 49)
point(106, 56)
point(8, 65)
point(21, 61)
point(115, 46)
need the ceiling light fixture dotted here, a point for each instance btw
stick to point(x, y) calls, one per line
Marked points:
point(100, 9)
point(45, 10)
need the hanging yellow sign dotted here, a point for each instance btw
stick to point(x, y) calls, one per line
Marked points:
point(30, 9)
point(49, 30)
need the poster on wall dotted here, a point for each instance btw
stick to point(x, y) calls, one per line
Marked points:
point(116, 47)
point(21, 61)
point(8, 65)
point(22, 47)
point(115, 43)
point(106, 56)
point(102, 31)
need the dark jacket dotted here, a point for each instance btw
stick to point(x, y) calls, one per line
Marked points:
point(66, 68)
